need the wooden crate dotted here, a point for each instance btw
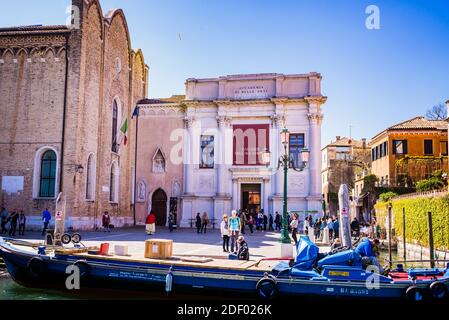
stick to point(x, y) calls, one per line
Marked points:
point(158, 249)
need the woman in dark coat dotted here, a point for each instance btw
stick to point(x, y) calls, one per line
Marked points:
point(198, 223)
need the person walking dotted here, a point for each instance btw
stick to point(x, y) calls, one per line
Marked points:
point(22, 223)
point(265, 222)
point(251, 223)
point(171, 221)
point(13, 218)
point(234, 229)
point(198, 222)
point(330, 226)
point(258, 222)
point(323, 226)
point(243, 221)
point(204, 222)
point(150, 223)
point(355, 228)
point(294, 227)
point(46, 217)
point(3, 220)
point(317, 229)
point(270, 223)
point(106, 221)
point(306, 226)
point(224, 228)
point(336, 227)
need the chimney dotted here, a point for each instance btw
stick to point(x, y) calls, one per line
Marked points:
point(364, 143)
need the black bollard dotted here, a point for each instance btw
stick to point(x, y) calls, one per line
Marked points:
point(431, 247)
point(404, 239)
point(390, 251)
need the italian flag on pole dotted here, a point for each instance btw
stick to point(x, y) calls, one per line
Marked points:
point(124, 132)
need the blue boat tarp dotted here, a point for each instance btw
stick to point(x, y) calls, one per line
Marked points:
point(307, 253)
point(307, 274)
point(344, 258)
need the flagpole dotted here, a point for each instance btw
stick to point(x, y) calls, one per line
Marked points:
point(135, 165)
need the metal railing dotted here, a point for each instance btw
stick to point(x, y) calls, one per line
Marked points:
point(427, 194)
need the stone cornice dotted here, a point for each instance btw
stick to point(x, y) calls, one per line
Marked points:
point(160, 105)
point(53, 40)
point(316, 99)
point(162, 110)
point(229, 102)
point(219, 103)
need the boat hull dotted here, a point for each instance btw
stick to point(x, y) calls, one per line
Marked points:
point(106, 274)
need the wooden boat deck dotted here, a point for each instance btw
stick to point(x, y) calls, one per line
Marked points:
point(208, 261)
point(187, 261)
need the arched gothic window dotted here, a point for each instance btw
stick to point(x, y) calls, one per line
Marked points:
point(114, 125)
point(47, 179)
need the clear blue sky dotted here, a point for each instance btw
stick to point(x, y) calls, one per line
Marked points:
point(373, 78)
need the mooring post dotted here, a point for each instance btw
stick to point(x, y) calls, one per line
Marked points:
point(390, 251)
point(431, 248)
point(345, 228)
point(404, 239)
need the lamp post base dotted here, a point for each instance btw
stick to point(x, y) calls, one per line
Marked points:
point(286, 250)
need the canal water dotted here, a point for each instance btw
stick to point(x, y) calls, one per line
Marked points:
point(9, 290)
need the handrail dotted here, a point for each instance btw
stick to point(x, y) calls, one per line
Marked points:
point(433, 193)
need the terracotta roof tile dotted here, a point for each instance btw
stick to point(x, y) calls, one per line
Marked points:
point(172, 99)
point(420, 123)
point(345, 141)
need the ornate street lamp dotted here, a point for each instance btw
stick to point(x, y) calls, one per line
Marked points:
point(287, 162)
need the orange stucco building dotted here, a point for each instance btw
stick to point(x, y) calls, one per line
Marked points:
point(410, 151)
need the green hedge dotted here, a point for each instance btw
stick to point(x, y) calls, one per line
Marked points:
point(416, 210)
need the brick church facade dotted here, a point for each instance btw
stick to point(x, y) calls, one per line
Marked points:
point(65, 93)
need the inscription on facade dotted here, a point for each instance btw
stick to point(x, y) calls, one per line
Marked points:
point(251, 92)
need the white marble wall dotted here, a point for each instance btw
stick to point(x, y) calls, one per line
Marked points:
point(215, 105)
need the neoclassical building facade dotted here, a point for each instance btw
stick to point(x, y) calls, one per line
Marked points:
point(206, 147)
point(65, 93)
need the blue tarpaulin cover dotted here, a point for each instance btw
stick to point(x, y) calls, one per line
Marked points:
point(307, 253)
point(344, 258)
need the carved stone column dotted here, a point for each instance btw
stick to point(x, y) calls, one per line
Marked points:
point(315, 120)
point(277, 150)
point(223, 172)
point(188, 155)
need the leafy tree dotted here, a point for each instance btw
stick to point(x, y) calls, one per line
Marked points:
point(369, 183)
point(429, 184)
point(436, 181)
point(387, 196)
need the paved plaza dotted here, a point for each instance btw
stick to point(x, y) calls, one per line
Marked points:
point(186, 241)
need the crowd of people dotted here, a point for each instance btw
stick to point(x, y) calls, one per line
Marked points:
point(14, 223)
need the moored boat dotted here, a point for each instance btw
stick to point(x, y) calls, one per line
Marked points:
point(341, 274)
